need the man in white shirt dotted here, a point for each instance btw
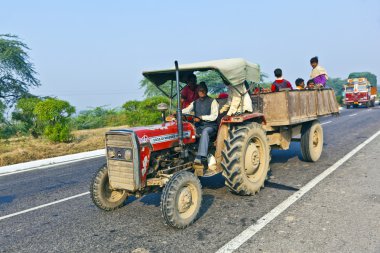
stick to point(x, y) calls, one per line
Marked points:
point(239, 100)
point(206, 113)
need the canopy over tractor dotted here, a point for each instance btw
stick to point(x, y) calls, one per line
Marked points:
point(233, 71)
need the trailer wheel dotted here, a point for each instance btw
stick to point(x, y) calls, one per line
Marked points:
point(181, 199)
point(311, 141)
point(246, 158)
point(102, 195)
point(372, 103)
point(348, 106)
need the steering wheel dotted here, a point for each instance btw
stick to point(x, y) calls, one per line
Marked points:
point(189, 117)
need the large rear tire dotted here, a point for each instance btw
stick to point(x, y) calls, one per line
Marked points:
point(181, 200)
point(246, 158)
point(311, 141)
point(102, 195)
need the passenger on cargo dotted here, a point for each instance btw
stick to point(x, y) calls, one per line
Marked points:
point(280, 83)
point(318, 73)
point(310, 85)
point(300, 84)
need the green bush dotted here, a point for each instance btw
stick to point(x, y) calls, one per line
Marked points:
point(142, 113)
point(54, 115)
point(59, 132)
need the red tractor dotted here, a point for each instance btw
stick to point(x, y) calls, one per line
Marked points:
point(141, 160)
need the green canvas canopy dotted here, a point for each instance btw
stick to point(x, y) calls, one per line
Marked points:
point(234, 71)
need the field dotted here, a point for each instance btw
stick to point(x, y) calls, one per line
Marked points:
point(24, 149)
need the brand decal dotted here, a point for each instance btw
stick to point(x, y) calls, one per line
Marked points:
point(144, 139)
point(168, 137)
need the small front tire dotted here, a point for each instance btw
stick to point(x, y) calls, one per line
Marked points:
point(181, 200)
point(102, 195)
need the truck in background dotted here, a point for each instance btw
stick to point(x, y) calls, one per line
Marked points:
point(359, 91)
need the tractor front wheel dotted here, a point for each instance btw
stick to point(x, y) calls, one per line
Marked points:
point(181, 199)
point(246, 158)
point(102, 195)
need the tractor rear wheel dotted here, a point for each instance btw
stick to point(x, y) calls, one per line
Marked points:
point(102, 195)
point(246, 158)
point(311, 141)
point(181, 199)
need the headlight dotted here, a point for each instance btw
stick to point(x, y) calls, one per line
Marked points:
point(111, 153)
point(128, 154)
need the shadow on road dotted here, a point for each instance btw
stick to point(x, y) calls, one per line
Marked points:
point(207, 202)
point(214, 182)
point(283, 156)
point(280, 186)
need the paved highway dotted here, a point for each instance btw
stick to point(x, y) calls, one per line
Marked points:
point(64, 219)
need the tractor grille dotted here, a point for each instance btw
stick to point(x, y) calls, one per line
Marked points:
point(120, 160)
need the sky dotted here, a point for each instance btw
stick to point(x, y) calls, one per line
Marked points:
point(92, 53)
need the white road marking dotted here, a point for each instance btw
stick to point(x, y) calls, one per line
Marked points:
point(50, 162)
point(327, 122)
point(42, 206)
point(244, 236)
point(352, 114)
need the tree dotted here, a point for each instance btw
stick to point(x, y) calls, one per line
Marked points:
point(370, 77)
point(2, 110)
point(24, 112)
point(54, 115)
point(17, 73)
point(337, 84)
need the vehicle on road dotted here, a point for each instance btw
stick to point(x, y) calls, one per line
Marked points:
point(358, 91)
point(145, 159)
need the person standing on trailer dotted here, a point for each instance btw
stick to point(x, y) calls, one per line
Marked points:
point(318, 73)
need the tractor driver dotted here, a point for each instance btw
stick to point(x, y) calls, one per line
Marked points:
point(206, 113)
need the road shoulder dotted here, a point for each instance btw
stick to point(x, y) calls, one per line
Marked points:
point(341, 214)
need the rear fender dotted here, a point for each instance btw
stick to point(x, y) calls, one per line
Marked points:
point(223, 131)
point(246, 117)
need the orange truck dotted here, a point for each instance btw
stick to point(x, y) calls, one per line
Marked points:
point(358, 91)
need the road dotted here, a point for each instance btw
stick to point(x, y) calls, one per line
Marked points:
point(76, 225)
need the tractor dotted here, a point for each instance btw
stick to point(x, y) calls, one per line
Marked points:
point(147, 159)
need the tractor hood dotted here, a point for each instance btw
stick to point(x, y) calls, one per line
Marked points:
point(161, 136)
point(233, 71)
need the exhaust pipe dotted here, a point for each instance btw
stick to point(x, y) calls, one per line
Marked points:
point(179, 111)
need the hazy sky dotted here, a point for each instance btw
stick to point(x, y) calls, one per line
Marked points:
point(92, 53)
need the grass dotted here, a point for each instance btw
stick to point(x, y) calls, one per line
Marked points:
point(24, 149)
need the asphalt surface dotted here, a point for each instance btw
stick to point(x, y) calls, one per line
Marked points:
point(77, 225)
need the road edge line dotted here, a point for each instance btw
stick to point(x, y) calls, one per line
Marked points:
point(48, 162)
point(248, 233)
